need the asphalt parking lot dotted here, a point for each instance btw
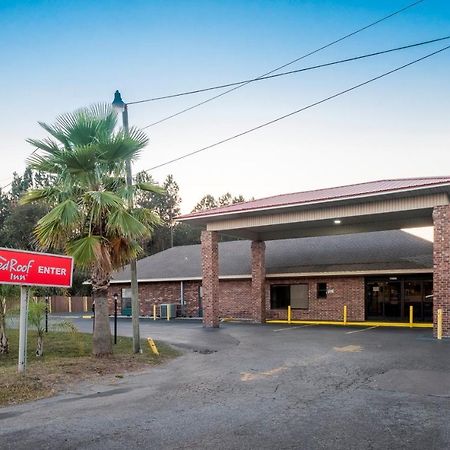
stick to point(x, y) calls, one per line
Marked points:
point(250, 386)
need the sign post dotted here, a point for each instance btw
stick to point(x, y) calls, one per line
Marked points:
point(23, 328)
point(32, 269)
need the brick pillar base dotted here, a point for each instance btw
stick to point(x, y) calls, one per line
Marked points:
point(210, 279)
point(259, 281)
point(441, 266)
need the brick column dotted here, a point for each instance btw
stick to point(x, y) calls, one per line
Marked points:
point(441, 267)
point(210, 279)
point(259, 281)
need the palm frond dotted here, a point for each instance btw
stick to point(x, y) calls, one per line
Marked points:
point(121, 147)
point(123, 251)
point(88, 251)
point(53, 229)
point(150, 187)
point(45, 164)
point(34, 195)
point(46, 144)
point(57, 133)
point(80, 160)
point(122, 223)
point(101, 203)
point(147, 217)
point(84, 125)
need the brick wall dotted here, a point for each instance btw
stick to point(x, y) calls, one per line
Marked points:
point(235, 298)
point(344, 291)
point(441, 267)
point(160, 292)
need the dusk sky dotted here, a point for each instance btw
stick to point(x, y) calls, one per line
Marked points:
point(61, 55)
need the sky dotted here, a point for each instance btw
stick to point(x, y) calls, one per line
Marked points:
point(59, 56)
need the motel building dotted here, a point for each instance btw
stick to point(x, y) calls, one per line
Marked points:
point(315, 251)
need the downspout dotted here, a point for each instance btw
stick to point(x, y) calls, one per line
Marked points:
point(182, 293)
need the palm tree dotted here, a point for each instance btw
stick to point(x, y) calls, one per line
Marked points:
point(89, 218)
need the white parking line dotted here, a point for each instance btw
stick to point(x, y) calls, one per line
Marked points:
point(291, 328)
point(364, 329)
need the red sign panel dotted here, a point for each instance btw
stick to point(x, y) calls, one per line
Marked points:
point(35, 269)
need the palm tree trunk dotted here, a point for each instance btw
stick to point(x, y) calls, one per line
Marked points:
point(40, 345)
point(101, 343)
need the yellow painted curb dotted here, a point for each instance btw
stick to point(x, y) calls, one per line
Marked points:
point(354, 324)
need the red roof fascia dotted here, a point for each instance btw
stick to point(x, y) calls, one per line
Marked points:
point(305, 197)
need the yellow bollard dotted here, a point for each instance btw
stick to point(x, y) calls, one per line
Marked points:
point(168, 312)
point(411, 316)
point(154, 312)
point(345, 314)
point(439, 323)
point(152, 346)
point(289, 314)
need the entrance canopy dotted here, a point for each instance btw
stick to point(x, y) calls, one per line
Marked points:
point(372, 206)
point(364, 207)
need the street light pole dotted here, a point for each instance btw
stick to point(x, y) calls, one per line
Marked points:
point(120, 105)
point(115, 318)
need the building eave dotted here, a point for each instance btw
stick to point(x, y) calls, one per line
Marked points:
point(348, 273)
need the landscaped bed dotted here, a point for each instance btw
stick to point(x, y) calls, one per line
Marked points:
point(67, 359)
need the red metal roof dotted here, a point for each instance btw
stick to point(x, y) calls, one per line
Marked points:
point(341, 192)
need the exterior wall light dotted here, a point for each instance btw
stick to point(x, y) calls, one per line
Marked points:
point(337, 221)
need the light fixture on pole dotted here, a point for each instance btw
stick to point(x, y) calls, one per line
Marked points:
point(120, 106)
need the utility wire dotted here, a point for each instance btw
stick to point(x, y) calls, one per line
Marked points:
point(338, 94)
point(304, 69)
point(353, 33)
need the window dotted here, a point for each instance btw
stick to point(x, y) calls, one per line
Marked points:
point(280, 297)
point(295, 295)
point(322, 290)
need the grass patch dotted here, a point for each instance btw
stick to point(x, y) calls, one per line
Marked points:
point(67, 359)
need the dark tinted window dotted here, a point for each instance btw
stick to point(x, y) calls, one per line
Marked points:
point(321, 290)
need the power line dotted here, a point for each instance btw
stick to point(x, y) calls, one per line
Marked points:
point(5, 186)
point(353, 33)
point(304, 69)
point(338, 94)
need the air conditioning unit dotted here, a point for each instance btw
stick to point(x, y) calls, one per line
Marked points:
point(167, 308)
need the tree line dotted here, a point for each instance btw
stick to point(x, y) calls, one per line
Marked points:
point(17, 221)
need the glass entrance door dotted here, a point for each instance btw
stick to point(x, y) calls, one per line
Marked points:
point(384, 300)
point(391, 298)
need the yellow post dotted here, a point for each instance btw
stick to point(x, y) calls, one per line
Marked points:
point(154, 312)
point(84, 304)
point(345, 314)
point(168, 312)
point(289, 314)
point(411, 316)
point(439, 323)
point(152, 346)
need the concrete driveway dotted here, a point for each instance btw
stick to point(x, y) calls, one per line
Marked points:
point(250, 386)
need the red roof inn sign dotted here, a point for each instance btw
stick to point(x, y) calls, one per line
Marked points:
point(32, 269)
point(35, 269)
